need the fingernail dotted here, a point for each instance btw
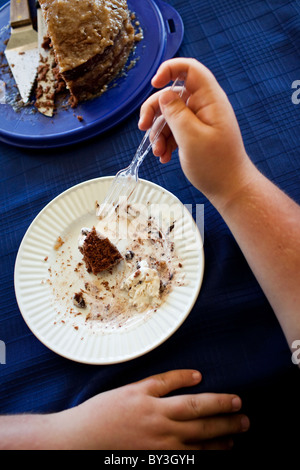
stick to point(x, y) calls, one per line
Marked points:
point(245, 423)
point(196, 376)
point(236, 403)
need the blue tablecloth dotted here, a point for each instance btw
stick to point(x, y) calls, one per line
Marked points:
point(231, 335)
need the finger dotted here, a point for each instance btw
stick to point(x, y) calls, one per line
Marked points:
point(180, 119)
point(186, 407)
point(160, 146)
point(164, 145)
point(204, 429)
point(159, 138)
point(202, 88)
point(196, 75)
point(161, 384)
point(211, 428)
point(158, 128)
point(170, 147)
point(226, 443)
point(149, 109)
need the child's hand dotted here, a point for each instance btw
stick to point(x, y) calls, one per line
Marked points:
point(205, 129)
point(141, 416)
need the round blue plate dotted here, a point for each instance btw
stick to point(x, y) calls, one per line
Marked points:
point(163, 33)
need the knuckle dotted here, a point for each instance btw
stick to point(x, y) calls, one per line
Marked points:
point(223, 403)
point(194, 406)
point(193, 62)
point(158, 384)
point(176, 107)
point(205, 432)
point(162, 379)
point(152, 382)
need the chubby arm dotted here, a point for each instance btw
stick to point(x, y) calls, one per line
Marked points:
point(266, 225)
point(133, 417)
point(264, 221)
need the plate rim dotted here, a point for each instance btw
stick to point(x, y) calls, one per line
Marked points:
point(97, 361)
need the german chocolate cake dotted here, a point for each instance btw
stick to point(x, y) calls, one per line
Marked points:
point(91, 39)
point(99, 254)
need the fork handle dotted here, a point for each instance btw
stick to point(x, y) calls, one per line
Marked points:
point(147, 143)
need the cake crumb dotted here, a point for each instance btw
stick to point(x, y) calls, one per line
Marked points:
point(59, 243)
point(78, 300)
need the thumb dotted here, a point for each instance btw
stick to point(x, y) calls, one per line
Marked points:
point(177, 115)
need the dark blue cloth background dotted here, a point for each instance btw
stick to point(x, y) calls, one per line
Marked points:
point(231, 335)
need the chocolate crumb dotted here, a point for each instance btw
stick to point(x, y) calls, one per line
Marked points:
point(78, 300)
point(171, 227)
point(129, 255)
point(162, 286)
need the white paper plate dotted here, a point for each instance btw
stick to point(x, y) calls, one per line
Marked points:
point(69, 211)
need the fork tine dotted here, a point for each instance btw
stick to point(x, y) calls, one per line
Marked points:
point(108, 202)
point(119, 189)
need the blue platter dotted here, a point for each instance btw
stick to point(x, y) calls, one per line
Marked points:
point(163, 33)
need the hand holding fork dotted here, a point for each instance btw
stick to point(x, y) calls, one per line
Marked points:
point(126, 180)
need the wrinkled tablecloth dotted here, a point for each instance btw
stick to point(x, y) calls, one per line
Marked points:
point(231, 335)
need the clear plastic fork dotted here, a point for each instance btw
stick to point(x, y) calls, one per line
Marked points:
point(127, 179)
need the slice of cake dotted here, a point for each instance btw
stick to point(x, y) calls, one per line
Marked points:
point(99, 254)
point(91, 39)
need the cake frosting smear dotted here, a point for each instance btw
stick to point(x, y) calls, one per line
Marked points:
point(115, 273)
point(143, 286)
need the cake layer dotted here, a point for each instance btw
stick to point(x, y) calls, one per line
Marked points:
point(88, 80)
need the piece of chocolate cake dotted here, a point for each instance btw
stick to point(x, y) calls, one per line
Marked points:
point(99, 254)
point(91, 39)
